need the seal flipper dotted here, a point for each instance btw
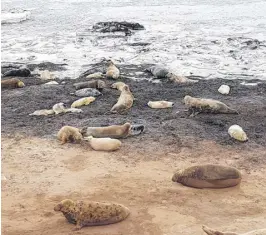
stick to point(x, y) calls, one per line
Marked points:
point(136, 129)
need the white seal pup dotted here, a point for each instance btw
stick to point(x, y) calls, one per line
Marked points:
point(210, 231)
point(59, 108)
point(112, 71)
point(87, 92)
point(160, 104)
point(208, 176)
point(118, 85)
point(224, 89)
point(82, 101)
point(198, 105)
point(104, 144)
point(73, 110)
point(42, 112)
point(236, 132)
point(125, 101)
point(46, 75)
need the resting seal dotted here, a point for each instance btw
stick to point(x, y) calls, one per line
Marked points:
point(82, 101)
point(17, 73)
point(208, 176)
point(104, 144)
point(87, 92)
point(198, 105)
point(97, 84)
point(92, 213)
point(112, 71)
point(237, 133)
point(160, 104)
point(179, 79)
point(118, 85)
point(59, 108)
point(115, 131)
point(12, 83)
point(42, 112)
point(158, 71)
point(210, 231)
point(69, 134)
point(125, 101)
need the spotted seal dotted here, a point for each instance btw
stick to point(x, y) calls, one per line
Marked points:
point(92, 213)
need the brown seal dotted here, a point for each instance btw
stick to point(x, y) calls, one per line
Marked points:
point(198, 105)
point(12, 83)
point(210, 231)
point(208, 176)
point(125, 101)
point(114, 131)
point(69, 134)
point(92, 213)
point(98, 84)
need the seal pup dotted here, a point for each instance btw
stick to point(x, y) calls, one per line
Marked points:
point(69, 134)
point(103, 144)
point(125, 101)
point(82, 101)
point(73, 110)
point(97, 84)
point(42, 112)
point(114, 131)
point(87, 92)
point(95, 75)
point(198, 105)
point(92, 213)
point(17, 73)
point(12, 83)
point(179, 79)
point(59, 108)
point(112, 71)
point(208, 176)
point(118, 85)
point(224, 89)
point(210, 231)
point(158, 71)
point(236, 132)
point(160, 104)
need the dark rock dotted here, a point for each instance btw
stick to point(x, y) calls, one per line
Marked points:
point(114, 26)
point(17, 73)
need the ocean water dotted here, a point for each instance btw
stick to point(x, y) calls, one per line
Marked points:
point(208, 38)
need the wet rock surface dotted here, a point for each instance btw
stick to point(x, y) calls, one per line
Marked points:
point(114, 26)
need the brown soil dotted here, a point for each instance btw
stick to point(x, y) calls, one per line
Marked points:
point(40, 172)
